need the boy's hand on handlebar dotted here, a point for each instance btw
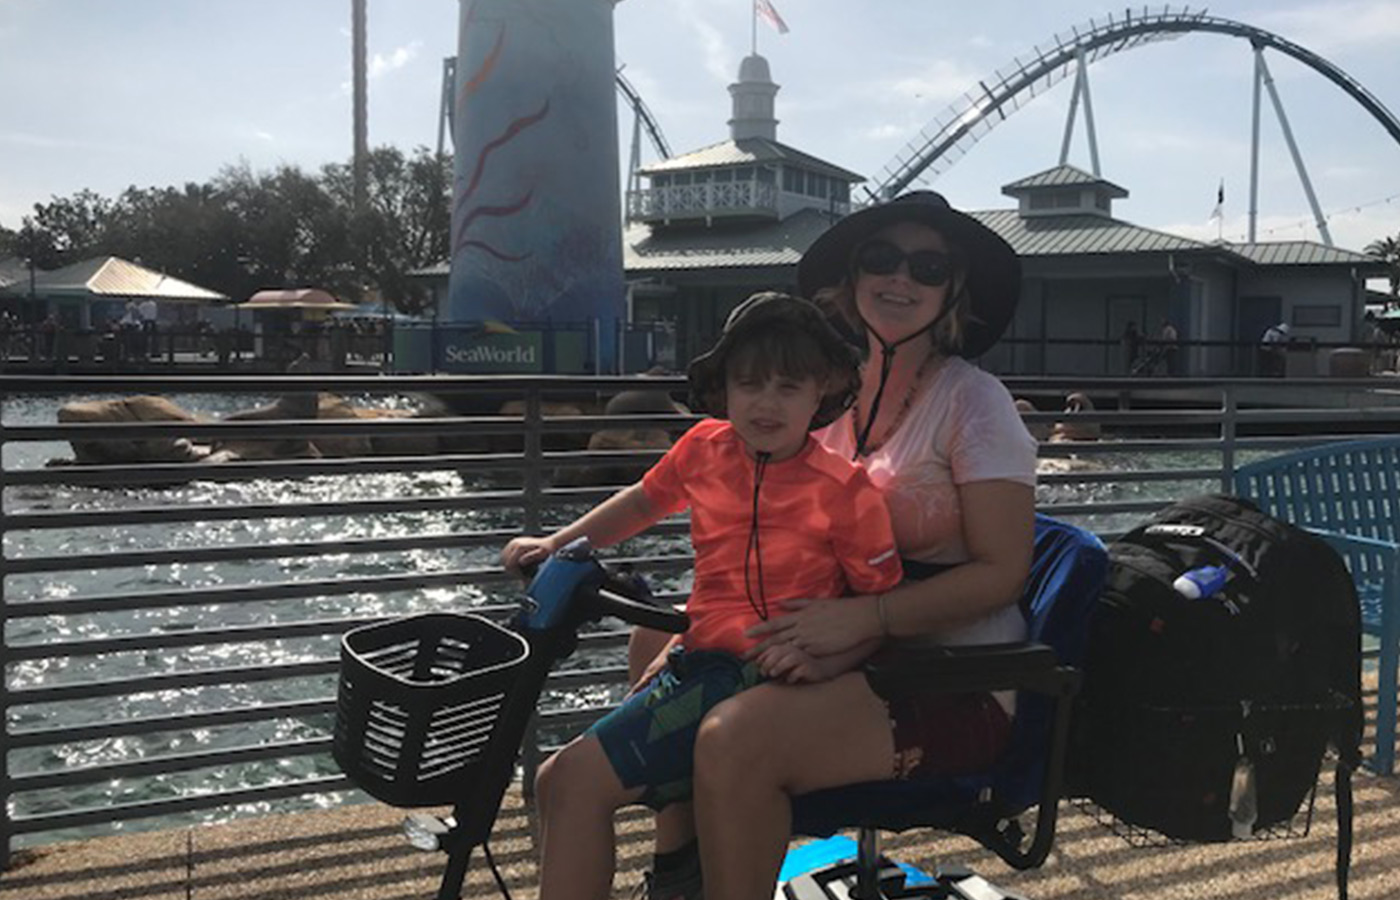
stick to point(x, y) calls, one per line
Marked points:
point(525, 551)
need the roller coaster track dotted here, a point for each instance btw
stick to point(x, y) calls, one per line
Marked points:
point(967, 120)
point(640, 110)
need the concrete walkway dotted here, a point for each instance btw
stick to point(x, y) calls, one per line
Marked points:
point(358, 853)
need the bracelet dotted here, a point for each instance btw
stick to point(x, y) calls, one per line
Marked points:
point(881, 615)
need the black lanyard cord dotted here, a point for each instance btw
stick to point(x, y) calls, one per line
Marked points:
point(754, 548)
point(886, 364)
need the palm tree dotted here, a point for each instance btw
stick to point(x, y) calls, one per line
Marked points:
point(1388, 250)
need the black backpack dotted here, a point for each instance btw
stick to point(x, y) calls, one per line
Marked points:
point(1180, 692)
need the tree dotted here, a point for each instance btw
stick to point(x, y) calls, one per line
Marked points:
point(1388, 250)
point(288, 231)
point(407, 224)
point(70, 228)
point(245, 231)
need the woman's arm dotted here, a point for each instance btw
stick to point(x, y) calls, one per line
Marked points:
point(623, 515)
point(999, 533)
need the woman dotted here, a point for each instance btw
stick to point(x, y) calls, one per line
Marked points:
point(925, 288)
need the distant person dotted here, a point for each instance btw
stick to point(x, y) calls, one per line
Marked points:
point(1374, 338)
point(1273, 350)
point(147, 312)
point(1132, 347)
point(1168, 347)
point(7, 329)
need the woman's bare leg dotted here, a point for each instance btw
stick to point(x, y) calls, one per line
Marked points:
point(756, 749)
point(578, 792)
point(675, 825)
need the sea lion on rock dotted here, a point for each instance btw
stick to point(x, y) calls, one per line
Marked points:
point(112, 451)
point(634, 402)
point(1077, 402)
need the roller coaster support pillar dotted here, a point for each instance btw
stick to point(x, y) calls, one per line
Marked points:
point(1320, 219)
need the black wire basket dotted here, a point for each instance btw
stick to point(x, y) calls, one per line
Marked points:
point(418, 702)
point(1164, 774)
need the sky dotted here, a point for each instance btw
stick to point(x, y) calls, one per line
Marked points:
point(103, 94)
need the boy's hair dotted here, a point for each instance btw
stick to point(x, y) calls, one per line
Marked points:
point(772, 333)
point(779, 349)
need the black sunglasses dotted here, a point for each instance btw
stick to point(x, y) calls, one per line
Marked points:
point(928, 267)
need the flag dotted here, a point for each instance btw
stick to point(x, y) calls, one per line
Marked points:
point(766, 9)
point(1219, 201)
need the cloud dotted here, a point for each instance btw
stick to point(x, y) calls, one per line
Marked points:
point(1329, 25)
point(43, 141)
point(1351, 173)
point(379, 64)
point(886, 131)
point(939, 83)
point(714, 49)
point(264, 135)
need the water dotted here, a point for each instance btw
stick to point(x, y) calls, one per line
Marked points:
point(196, 577)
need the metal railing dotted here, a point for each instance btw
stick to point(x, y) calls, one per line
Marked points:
point(171, 628)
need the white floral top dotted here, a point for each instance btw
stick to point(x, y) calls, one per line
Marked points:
point(964, 429)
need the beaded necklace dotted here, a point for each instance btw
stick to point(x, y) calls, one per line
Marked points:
point(873, 446)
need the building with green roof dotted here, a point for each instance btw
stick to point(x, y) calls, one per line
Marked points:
point(713, 225)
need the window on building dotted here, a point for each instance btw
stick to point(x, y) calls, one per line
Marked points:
point(840, 192)
point(767, 175)
point(1317, 316)
point(817, 185)
point(682, 178)
point(791, 180)
point(661, 180)
point(724, 175)
point(743, 173)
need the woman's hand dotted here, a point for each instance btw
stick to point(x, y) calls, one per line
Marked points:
point(526, 551)
point(819, 627)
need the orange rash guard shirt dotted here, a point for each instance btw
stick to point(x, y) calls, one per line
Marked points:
point(824, 530)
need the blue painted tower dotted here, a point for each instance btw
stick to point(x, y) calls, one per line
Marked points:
point(536, 215)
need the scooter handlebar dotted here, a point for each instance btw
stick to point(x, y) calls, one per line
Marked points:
point(572, 586)
point(639, 612)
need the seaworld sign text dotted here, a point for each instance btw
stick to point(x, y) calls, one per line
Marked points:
point(496, 353)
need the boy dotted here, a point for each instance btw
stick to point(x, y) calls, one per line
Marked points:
point(774, 517)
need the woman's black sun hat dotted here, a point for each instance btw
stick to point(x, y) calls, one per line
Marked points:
point(993, 269)
point(773, 310)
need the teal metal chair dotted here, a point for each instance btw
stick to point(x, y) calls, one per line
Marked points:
point(1348, 493)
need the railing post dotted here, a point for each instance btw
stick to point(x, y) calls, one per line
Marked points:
point(6, 828)
point(1228, 425)
point(534, 499)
